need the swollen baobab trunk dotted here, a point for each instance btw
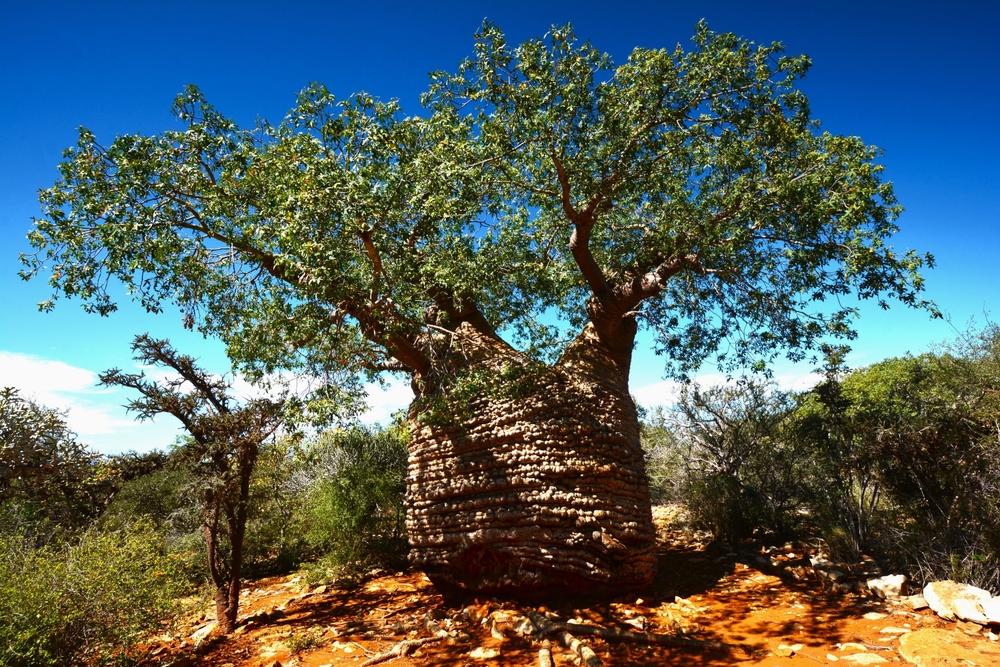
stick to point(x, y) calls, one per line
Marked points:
point(536, 495)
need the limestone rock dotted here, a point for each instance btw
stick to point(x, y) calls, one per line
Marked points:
point(483, 653)
point(969, 610)
point(203, 631)
point(889, 587)
point(934, 647)
point(942, 595)
point(991, 609)
point(864, 659)
point(786, 651)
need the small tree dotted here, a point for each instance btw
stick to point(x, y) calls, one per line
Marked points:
point(222, 448)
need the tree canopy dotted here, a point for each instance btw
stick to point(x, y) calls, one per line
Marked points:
point(689, 191)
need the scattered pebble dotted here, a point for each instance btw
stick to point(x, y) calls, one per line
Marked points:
point(483, 653)
point(864, 659)
point(785, 651)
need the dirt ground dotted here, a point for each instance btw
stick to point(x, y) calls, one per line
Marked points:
point(766, 604)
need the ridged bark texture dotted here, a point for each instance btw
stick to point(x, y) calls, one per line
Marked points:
point(539, 496)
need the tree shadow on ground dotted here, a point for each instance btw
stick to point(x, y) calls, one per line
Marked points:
point(708, 593)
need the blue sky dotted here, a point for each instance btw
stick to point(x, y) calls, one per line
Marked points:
point(920, 80)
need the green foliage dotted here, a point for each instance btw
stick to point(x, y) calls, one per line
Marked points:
point(47, 478)
point(689, 188)
point(920, 434)
point(451, 403)
point(89, 601)
point(741, 476)
point(666, 460)
point(300, 642)
point(275, 542)
point(899, 460)
point(354, 509)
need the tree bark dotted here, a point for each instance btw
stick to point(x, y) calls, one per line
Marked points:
point(536, 496)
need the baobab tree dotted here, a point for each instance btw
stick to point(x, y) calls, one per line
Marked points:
point(545, 191)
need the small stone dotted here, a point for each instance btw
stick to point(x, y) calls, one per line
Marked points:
point(969, 627)
point(889, 587)
point(916, 602)
point(831, 657)
point(203, 632)
point(852, 646)
point(864, 659)
point(874, 616)
point(892, 630)
point(483, 653)
point(786, 651)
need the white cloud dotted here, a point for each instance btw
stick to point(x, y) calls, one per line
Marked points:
point(383, 401)
point(797, 381)
point(72, 389)
point(666, 392)
point(94, 413)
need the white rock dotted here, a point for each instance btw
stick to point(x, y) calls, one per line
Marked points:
point(969, 610)
point(917, 602)
point(991, 609)
point(864, 658)
point(889, 587)
point(483, 653)
point(203, 631)
point(940, 596)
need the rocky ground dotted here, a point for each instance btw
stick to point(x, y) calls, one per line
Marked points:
point(711, 605)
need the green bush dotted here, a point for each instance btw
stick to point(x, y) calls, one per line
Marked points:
point(86, 602)
point(354, 508)
point(274, 541)
point(666, 459)
point(739, 478)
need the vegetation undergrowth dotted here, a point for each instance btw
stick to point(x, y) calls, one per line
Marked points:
point(898, 461)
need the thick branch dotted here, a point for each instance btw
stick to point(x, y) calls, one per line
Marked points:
point(397, 345)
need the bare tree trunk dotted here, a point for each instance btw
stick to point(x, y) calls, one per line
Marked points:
point(539, 496)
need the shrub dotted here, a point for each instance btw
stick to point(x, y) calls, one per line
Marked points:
point(274, 541)
point(86, 602)
point(354, 509)
point(739, 475)
point(666, 460)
